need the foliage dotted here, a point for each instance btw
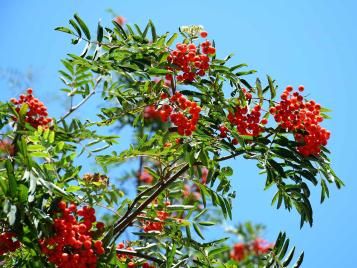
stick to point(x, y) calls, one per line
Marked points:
point(185, 126)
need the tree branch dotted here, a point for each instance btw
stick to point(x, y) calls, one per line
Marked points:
point(74, 108)
point(130, 215)
point(140, 255)
point(124, 222)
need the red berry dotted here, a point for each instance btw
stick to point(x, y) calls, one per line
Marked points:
point(211, 50)
point(62, 205)
point(87, 244)
point(164, 96)
point(100, 225)
point(289, 88)
point(131, 265)
point(203, 34)
point(264, 121)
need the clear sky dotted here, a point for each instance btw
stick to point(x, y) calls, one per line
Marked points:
point(296, 42)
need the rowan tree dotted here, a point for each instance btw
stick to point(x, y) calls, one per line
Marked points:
point(189, 112)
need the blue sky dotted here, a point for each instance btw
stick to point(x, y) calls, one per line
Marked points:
point(296, 42)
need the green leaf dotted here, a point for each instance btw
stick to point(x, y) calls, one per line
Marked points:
point(276, 166)
point(260, 90)
point(171, 40)
point(280, 241)
point(121, 31)
point(271, 87)
point(73, 188)
point(206, 223)
point(238, 67)
point(308, 175)
point(299, 261)
point(11, 178)
point(188, 232)
point(324, 191)
point(75, 26)
point(219, 250)
point(35, 148)
point(40, 154)
point(284, 249)
point(22, 192)
point(198, 230)
point(83, 26)
point(179, 207)
point(153, 31)
point(157, 71)
point(64, 29)
point(200, 214)
point(100, 33)
point(3, 186)
point(227, 171)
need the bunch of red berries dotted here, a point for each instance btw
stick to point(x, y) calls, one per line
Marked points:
point(190, 60)
point(145, 177)
point(247, 123)
point(7, 148)
point(238, 252)
point(177, 109)
point(257, 247)
point(37, 111)
point(261, 246)
point(156, 226)
point(122, 256)
point(8, 243)
point(72, 244)
point(303, 118)
point(150, 112)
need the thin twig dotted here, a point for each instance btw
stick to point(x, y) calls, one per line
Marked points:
point(74, 108)
point(139, 254)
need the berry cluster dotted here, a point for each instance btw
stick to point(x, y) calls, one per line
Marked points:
point(72, 244)
point(121, 256)
point(124, 257)
point(8, 243)
point(37, 111)
point(156, 226)
point(145, 177)
point(238, 252)
point(261, 246)
point(96, 179)
point(303, 118)
point(177, 109)
point(257, 247)
point(247, 123)
point(190, 60)
point(6, 148)
point(150, 113)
